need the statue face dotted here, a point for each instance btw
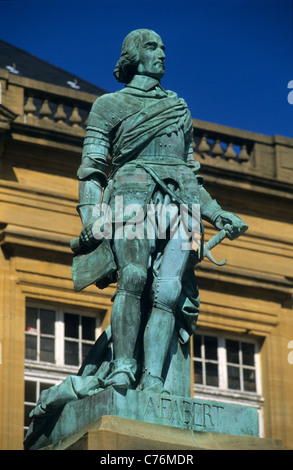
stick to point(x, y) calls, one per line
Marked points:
point(152, 56)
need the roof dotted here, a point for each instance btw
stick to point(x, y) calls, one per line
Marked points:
point(23, 64)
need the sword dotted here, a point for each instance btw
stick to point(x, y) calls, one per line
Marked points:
point(214, 241)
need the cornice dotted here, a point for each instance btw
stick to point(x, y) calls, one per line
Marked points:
point(42, 134)
point(12, 236)
point(6, 118)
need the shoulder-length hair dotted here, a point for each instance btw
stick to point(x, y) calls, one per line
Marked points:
point(126, 66)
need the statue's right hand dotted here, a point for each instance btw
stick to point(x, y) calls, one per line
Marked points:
point(86, 236)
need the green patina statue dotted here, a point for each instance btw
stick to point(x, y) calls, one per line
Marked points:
point(151, 252)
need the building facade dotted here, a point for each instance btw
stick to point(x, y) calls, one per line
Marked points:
point(243, 350)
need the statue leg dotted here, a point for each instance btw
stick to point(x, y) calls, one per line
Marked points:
point(132, 260)
point(159, 330)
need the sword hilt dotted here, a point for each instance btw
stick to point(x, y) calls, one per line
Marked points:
point(214, 241)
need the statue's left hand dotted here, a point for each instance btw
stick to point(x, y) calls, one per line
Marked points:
point(238, 226)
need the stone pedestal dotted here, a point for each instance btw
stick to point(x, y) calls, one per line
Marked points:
point(112, 433)
point(109, 420)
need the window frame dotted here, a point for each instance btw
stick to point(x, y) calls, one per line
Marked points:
point(56, 372)
point(222, 389)
point(59, 367)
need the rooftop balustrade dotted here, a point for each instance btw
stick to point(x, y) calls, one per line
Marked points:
point(64, 110)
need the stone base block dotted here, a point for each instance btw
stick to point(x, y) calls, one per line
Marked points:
point(139, 420)
point(113, 433)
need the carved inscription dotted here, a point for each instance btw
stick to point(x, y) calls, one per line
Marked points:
point(189, 413)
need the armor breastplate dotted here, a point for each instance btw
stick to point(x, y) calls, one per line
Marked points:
point(164, 146)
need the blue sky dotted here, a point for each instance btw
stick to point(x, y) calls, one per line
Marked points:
point(231, 60)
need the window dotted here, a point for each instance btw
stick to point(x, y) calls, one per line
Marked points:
point(57, 340)
point(225, 363)
point(205, 361)
point(241, 366)
point(227, 367)
point(40, 334)
point(79, 337)
point(33, 388)
point(58, 337)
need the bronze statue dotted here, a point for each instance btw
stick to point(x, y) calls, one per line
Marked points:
point(148, 133)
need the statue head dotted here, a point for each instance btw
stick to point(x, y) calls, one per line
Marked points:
point(142, 53)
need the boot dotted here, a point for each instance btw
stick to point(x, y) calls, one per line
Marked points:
point(152, 383)
point(122, 374)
